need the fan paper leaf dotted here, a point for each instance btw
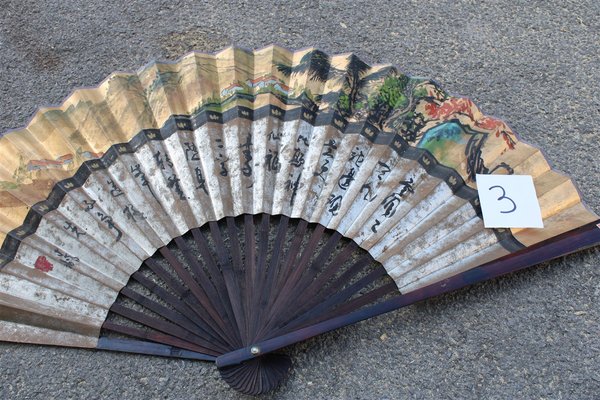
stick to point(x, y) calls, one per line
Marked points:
point(197, 208)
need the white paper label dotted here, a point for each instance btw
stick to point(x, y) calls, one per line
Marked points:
point(509, 201)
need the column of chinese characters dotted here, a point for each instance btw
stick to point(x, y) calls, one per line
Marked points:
point(375, 225)
point(66, 259)
point(272, 156)
point(357, 157)
point(298, 156)
point(369, 192)
point(272, 161)
point(345, 180)
point(391, 202)
point(137, 172)
point(334, 202)
point(200, 179)
point(274, 136)
point(221, 159)
point(327, 157)
point(115, 191)
point(106, 219)
point(247, 153)
point(297, 161)
point(191, 151)
point(132, 213)
point(293, 185)
point(69, 226)
point(191, 155)
point(382, 169)
point(172, 179)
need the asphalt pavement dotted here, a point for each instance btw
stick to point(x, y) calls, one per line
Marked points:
point(535, 64)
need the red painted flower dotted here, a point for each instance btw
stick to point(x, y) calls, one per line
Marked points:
point(43, 264)
point(455, 105)
point(490, 123)
point(499, 128)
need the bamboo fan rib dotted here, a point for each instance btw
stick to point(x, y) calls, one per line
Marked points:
point(199, 208)
point(242, 280)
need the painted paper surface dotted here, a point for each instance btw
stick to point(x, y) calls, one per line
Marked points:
point(91, 189)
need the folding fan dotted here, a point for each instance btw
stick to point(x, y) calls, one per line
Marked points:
point(225, 206)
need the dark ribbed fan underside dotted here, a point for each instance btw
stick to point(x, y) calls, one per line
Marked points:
point(239, 281)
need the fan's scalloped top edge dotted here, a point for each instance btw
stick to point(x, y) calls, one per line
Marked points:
point(446, 105)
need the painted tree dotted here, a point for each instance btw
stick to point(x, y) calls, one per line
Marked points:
point(168, 80)
point(356, 80)
point(410, 121)
point(315, 63)
point(21, 174)
point(355, 72)
point(129, 87)
point(389, 96)
point(318, 66)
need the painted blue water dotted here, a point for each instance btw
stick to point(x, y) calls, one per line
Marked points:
point(448, 131)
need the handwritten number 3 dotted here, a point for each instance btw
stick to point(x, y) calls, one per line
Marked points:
point(503, 197)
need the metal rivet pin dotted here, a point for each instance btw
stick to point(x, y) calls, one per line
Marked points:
point(254, 350)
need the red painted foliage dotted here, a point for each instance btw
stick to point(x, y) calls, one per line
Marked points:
point(498, 127)
point(456, 105)
point(459, 105)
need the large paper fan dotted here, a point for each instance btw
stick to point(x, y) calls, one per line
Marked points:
point(225, 206)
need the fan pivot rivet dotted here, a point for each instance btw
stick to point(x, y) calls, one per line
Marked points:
point(255, 350)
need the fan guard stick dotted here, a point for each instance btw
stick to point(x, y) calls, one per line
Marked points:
point(578, 239)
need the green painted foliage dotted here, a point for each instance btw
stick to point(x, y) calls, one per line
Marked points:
point(344, 102)
point(4, 185)
point(420, 92)
point(391, 92)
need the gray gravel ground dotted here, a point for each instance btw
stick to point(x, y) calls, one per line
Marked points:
point(533, 335)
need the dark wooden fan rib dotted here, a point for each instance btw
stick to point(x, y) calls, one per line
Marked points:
point(182, 308)
point(240, 281)
point(214, 307)
point(277, 311)
point(249, 269)
point(214, 287)
point(143, 347)
point(159, 309)
point(243, 381)
point(273, 268)
point(291, 291)
point(159, 325)
point(230, 268)
point(332, 294)
point(319, 288)
point(152, 336)
point(357, 303)
point(163, 326)
point(285, 268)
point(288, 305)
point(333, 299)
point(258, 376)
point(255, 372)
point(263, 246)
point(308, 274)
point(186, 295)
